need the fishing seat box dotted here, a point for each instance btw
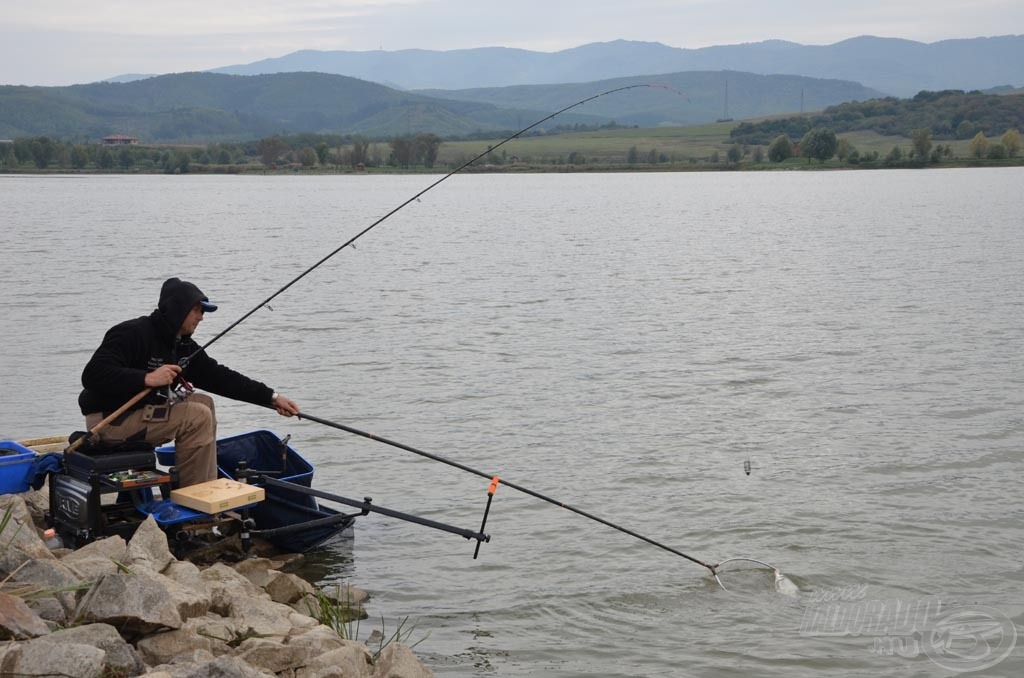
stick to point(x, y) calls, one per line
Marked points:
point(82, 465)
point(15, 462)
point(77, 509)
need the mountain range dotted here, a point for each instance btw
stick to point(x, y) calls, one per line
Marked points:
point(465, 92)
point(196, 107)
point(891, 65)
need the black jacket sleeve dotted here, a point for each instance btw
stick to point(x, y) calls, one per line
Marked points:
point(209, 375)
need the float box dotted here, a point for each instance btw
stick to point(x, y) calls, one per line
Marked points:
point(15, 463)
point(214, 496)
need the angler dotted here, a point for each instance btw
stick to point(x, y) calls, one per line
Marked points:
point(142, 355)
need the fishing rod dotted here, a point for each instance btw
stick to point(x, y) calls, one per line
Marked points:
point(782, 583)
point(351, 241)
point(183, 362)
point(495, 480)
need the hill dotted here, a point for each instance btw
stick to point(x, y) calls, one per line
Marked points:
point(702, 97)
point(890, 65)
point(196, 107)
point(950, 114)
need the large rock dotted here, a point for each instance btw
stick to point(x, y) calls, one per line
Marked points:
point(41, 658)
point(225, 585)
point(120, 658)
point(141, 603)
point(398, 661)
point(211, 635)
point(265, 617)
point(148, 547)
point(98, 558)
point(20, 539)
point(17, 621)
point(287, 588)
point(352, 660)
point(51, 576)
point(221, 667)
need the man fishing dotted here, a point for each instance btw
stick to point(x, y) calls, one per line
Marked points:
point(143, 353)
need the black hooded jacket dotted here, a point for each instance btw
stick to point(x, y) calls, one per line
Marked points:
point(117, 370)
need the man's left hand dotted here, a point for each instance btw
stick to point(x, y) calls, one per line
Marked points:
point(284, 406)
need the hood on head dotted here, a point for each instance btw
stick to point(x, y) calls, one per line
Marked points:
point(177, 297)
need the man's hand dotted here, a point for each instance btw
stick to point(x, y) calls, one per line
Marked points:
point(162, 376)
point(284, 406)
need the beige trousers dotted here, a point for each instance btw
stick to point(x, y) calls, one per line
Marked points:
point(191, 424)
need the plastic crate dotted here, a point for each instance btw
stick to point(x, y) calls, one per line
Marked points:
point(15, 463)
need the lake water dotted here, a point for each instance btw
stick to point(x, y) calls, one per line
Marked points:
point(623, 343)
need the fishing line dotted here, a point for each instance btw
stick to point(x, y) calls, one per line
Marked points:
point(782, 583)
point(351, 241)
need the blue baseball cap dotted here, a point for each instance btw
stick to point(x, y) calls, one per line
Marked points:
point(207, 306)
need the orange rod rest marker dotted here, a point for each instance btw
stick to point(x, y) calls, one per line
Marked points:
point(494, 485)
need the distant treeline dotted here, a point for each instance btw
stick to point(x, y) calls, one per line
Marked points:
point(949, 114)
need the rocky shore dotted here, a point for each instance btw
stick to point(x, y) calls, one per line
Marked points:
point(114, 608)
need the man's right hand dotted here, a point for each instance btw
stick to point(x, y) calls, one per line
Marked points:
point(162, 376)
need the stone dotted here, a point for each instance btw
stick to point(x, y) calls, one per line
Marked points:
point(97, 558)
point(351, 660)
point(225, 585)
point(221, 667)
point(271, 655)
point(50, 575)
point(257, 570)
point(141, 603)
point(120, 658)
point(40, 658)
point(266, 617)
point(17, 621)
point(212, 634)
point(287, 588)
point(148, 547)
point(20, 538)
point(398, 661)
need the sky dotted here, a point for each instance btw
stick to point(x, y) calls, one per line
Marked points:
point(61, 42)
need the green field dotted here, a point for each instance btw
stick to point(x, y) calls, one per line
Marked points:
point(674, 145)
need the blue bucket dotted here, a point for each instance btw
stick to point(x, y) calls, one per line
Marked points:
point(15, 464)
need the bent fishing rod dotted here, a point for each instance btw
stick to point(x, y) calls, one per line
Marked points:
point(495, 480)
point(351, 241)
point(782, 583)
point(183, 363)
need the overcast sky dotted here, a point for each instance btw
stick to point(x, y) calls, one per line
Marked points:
point(59, 42)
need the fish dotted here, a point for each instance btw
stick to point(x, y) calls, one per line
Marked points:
point(785, 585)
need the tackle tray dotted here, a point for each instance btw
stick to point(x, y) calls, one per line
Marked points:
point(120, 470)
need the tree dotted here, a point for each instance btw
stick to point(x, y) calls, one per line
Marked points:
point(997, 152)
point(308, 157)
point(106, 160)
point(895, 155)
point(360, 151)
point(819, 143)
point(79, 156)
point(43, 151)
point(978, 145)
point(271, 149)
point(1011, 142)
point(734, 154)
point(759, 154)
point(125, 158)
point(781, 149)
point(322, 150)
point(843, 149)
point(633, 156)
point(921, 139)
